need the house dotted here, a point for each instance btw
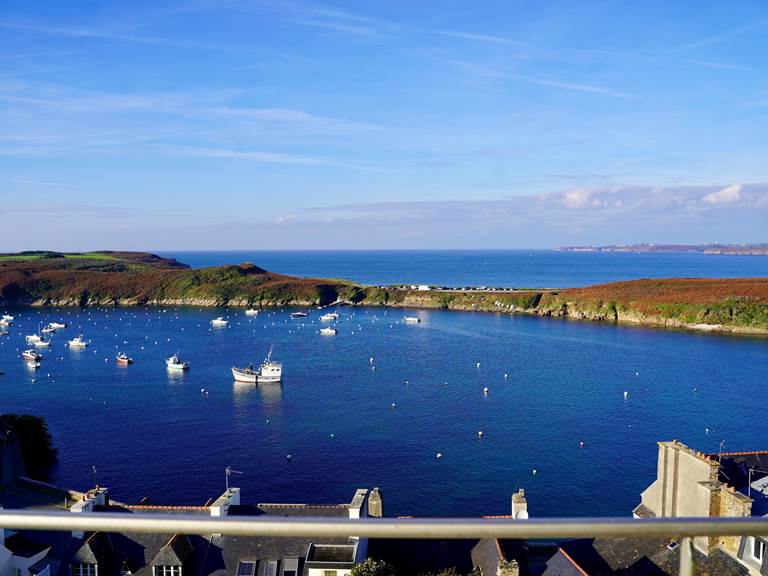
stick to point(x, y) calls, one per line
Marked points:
point(688, 483)
point(43, 553)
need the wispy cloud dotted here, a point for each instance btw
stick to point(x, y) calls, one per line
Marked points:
point(480, 70)
point(475, 37)
point(299, 118)
point(255, 155)
point(77, 32)
point(723, 35)
point(720, 65)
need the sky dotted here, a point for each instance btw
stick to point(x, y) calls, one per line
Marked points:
point(270, 124)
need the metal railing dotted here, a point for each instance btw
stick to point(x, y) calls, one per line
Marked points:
point(427, 528)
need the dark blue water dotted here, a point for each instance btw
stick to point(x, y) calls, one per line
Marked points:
point(153, 434)
point(509, 268)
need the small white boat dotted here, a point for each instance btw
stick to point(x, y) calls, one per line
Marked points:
point(4, 323)
point(31, 355)
point(176, 363)
point(411, 319)
point(8, 318)
point(48, 329)
point(77, 342)
point(270, 371)
point(34, 364)
point(123, 359)
point(57, 325)
point(330, 317)
point(328, 331)
point(32, 338)
point(251, 312)
point(219, 322)
point(42, 343)
point(299, 314)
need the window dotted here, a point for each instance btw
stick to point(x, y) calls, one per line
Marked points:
point(758, 549)
point(290, 566)
point(329, 572)
point(246, 568)
point(84, 570)
point(271, 568)
point(167, 571)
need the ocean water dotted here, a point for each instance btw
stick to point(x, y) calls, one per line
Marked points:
point(348, 421)
point(508, 268)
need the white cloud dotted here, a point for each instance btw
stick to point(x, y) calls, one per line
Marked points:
point(728, 195)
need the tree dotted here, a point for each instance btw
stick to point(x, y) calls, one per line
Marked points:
point(35, 443)
point(373, 567)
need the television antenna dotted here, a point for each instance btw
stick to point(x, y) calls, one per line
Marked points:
point(228, 471)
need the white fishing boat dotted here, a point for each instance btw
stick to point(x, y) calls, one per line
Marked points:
point(328, 331)
point(176, 363)
point(31, 355)
point(270, 371)
point(123, 359)
point(330, 317)
point(34, 364)
point(32, 338)
point(8, 318)
point(4, 323)
point(251, 312)
point(299, 314)
point(42, 343)
point(219, 322)
point(411, 319)
point(57, 325)
point(48, 329)
point(77, 342)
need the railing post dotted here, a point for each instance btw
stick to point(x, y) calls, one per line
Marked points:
point(686, 557)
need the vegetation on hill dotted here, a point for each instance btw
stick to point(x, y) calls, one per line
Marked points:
point(35, 443)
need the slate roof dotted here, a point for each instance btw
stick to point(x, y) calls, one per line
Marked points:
point(633, 557)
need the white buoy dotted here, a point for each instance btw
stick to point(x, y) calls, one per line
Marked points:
point(626, 393)
point(534, 471)
point(439, 454)
point(485, 390)
point(506, 375)
point(480, 433)
point(478, 364)
point(370, 360)
point(394, 405)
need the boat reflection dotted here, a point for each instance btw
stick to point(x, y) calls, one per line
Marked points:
point(270, 393)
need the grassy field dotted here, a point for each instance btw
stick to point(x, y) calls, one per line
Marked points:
point(26, 257)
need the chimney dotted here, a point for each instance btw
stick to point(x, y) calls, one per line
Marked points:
point(375, 505)
point(519, 505)
point(357, 506)
point(96, 497)
point(220, 507)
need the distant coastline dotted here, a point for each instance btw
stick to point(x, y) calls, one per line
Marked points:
point(714, 249)
point(735, 305)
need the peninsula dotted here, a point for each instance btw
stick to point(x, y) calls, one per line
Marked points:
point(717, 249)
point(737, 305)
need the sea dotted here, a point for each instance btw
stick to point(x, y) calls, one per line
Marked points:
point(569, 411)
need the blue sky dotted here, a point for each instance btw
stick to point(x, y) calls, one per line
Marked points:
point(223, 124)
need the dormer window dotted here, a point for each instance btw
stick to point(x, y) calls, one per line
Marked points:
point(83, 569)
point(125, 570)
point(167, 571)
